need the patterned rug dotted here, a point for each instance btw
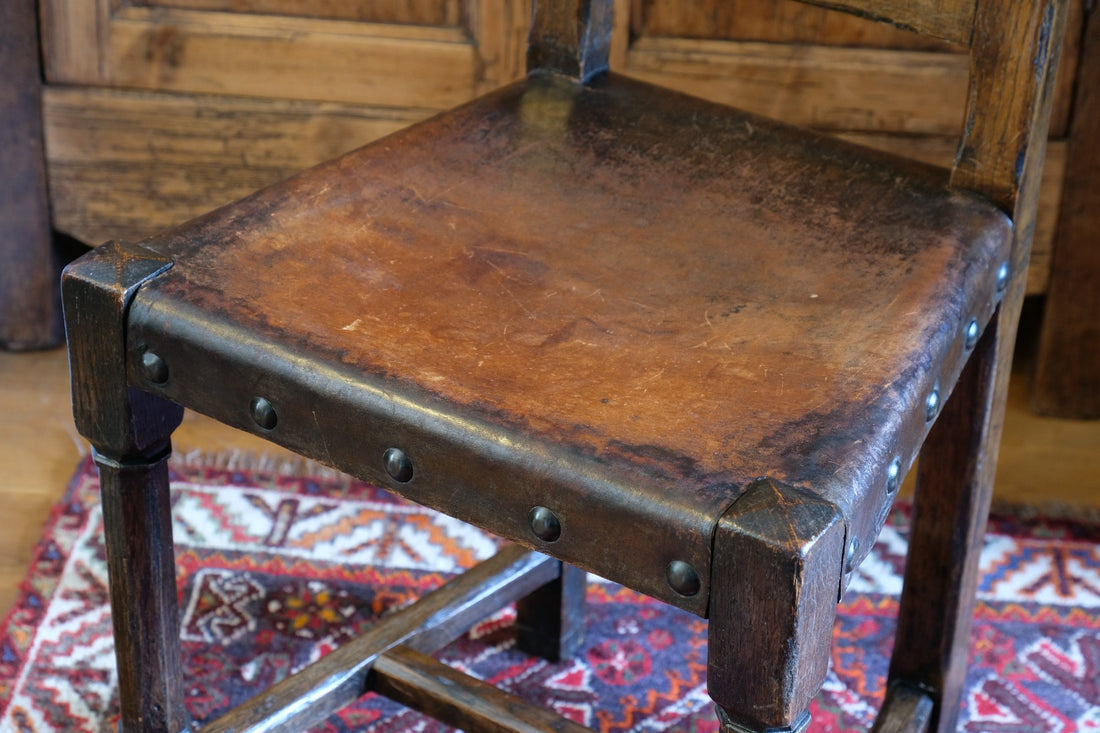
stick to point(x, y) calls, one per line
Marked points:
point(277, 569)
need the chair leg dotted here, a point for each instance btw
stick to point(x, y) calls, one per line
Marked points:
point(130, 432)
point(141, 567)
point(550, 621)
point(769, 651)
point(954, 489)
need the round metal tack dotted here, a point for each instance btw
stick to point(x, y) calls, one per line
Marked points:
point(154, 368)
point(682, 578)
point(544, 523)
point(263, 413)
point(398, 465)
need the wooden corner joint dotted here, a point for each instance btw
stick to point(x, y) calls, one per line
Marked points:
point(97, 291)
point(791, 523)
point(777, 571)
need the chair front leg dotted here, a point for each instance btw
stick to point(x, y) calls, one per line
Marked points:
point(141, 566)
point(129, 430)
point(777, 569)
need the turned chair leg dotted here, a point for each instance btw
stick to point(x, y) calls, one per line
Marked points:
point(550, 621)
point(129, 430)
point(141, 567)
point(769, 651)
point(954, 490)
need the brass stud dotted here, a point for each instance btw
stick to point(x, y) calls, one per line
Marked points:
point(932, 404)
point(544, 523)
point(972, 333)
point(893, 477)
point(853, 550)
point(263, 413)
point(153, 368)
point(682, 578)
point(398, 465)
point(1002, 277)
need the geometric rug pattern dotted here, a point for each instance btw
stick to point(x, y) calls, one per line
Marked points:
point(277, 569)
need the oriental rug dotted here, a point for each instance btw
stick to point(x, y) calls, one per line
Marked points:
point(277, 567)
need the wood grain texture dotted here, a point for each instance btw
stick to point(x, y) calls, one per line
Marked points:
point(501, 30)
point(770, 21)
point(949, 20)
point(1067, 378)
point(30, 313)
point(125, 164)
point(782, 28)
point(790, 542)
point(415, 12)
point(296, 58)
point(1001, 155)
point(101, 43)
point(843, 89)
point(137, 527)
point(1009, 55)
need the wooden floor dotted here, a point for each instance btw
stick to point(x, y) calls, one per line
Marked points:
point(1042, 460)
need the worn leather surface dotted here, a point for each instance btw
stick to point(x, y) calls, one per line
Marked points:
point(614, 301)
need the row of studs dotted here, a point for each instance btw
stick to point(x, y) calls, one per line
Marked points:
point(681, 576)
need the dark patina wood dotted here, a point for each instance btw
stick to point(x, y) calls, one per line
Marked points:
point(571, 37)
point(763, 674)
point(420, 682)
point(1001, 156)
point(1067, 374)
point(307, 698)
point(129, 430)
point(141, 567)
point(905, 710)
point(550, 621)
point(586, 314)
point(30, 312)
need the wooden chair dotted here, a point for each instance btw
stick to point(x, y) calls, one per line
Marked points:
point(683, 347)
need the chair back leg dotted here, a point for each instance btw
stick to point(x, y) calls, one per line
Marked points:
point(954, 490)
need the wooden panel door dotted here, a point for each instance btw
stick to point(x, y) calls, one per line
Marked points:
point(159, 110)
point(419, 53)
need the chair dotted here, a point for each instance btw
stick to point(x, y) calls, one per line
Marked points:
point(680, 346)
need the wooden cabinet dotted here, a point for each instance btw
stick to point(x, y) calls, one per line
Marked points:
point(161, 109)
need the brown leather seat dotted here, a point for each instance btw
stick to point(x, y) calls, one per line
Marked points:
point(665, 341)
point(618, 302)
